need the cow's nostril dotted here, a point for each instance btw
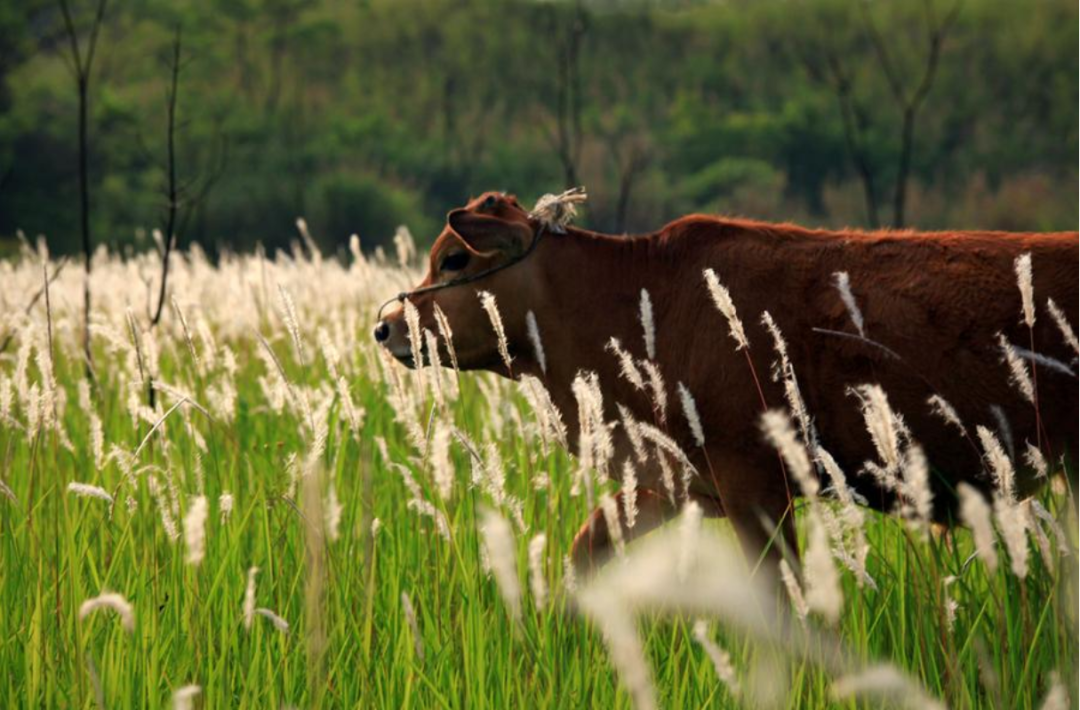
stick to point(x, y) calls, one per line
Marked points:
point(382, 331)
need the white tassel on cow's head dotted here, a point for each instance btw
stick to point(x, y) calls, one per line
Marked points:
point(555, 212)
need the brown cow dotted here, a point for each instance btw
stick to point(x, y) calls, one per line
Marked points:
point(938, 300)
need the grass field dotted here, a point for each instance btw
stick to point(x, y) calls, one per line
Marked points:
point(305, 472)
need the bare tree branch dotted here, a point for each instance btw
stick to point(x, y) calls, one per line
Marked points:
point(910, 103)
point(83, 66)
point(173, 196)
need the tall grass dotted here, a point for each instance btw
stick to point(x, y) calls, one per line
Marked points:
point(296, 521)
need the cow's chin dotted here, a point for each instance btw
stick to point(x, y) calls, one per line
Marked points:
point(405, 357)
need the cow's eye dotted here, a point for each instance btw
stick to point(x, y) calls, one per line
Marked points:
point(455, 262)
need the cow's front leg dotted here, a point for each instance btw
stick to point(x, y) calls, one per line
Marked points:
point(593, 545)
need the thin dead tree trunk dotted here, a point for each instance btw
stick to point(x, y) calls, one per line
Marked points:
point(172, 192)
point(568, 99)
point(628, 173)
point(841, 82)
point(81, 66)
point(910, 103)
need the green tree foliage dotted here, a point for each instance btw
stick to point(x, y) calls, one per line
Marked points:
point(361, 116)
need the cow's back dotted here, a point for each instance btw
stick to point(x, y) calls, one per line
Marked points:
point(941, 303)
point(935, 306)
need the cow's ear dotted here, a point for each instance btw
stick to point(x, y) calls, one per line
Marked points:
point(489, 235)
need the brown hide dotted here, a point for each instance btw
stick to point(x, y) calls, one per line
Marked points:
point(936, 299)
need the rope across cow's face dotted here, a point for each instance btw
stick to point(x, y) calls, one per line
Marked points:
point(487, 237)
point(457, 261)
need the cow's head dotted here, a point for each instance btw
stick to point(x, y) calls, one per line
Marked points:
point(491, 231)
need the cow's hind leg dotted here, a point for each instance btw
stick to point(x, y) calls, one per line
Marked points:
point(764, 522)
point(593, 545)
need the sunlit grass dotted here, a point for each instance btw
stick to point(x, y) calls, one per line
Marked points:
point(1007, 641)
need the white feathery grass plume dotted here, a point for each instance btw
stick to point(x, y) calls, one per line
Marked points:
point(418, 503)
point(665, 443)
point(951, 605)
point(648, 325)
point(667, 477)
point(851, 517)
point(1035, 460)
point(919, 498)
point(85, 490)
point(414, 627)
point(629, 493)
point(976, 514)
point(442, 466)
point(1012, 522)
point(416, 336)
point(721, 659)
point(498, 538)
point(305, 235)
point(1004, 429)
point(942, 408)
point(332, 513)
point(292, 323)
point(884, 683)
point(404, 245)
point(611, 517)
point(627, 369)
point(5, 489)
point(97, 439)
point(691, 412)
point(689, 539)
point(658, 389)
point(548, 417)
point(802, 609)
point(114, 602)
point(823, 592)
point(447, 335)
point(595, 446)
point(569, 579)
point(721, 298)
point(6, 398)
point(1063, 325)
point(195, 530)
point(537, 581)
point(633, 433)
point(837, 480)
point(225, 507)
point(186, 330)
point(184, 698)
point(555, 212)
point(279, 623)
point(649, 581)
point(1045, 550)
point(784, 372)
point(624, 646)
point(843, 285)
point(434, 368)
point(1057, 698)
point(998, 461)
point(779, 432)
point(376, 526)
point(1018, 372)
point(249, 598)
point(534, 338)
point(1027, 290)
point(1055, 527)
point(487, 302)
point(886, 428)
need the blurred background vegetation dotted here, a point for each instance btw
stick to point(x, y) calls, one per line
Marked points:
point(362, 115)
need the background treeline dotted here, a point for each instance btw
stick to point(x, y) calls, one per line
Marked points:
point(364, 115)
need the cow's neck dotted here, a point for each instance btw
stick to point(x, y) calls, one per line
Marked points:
point(591, 292)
